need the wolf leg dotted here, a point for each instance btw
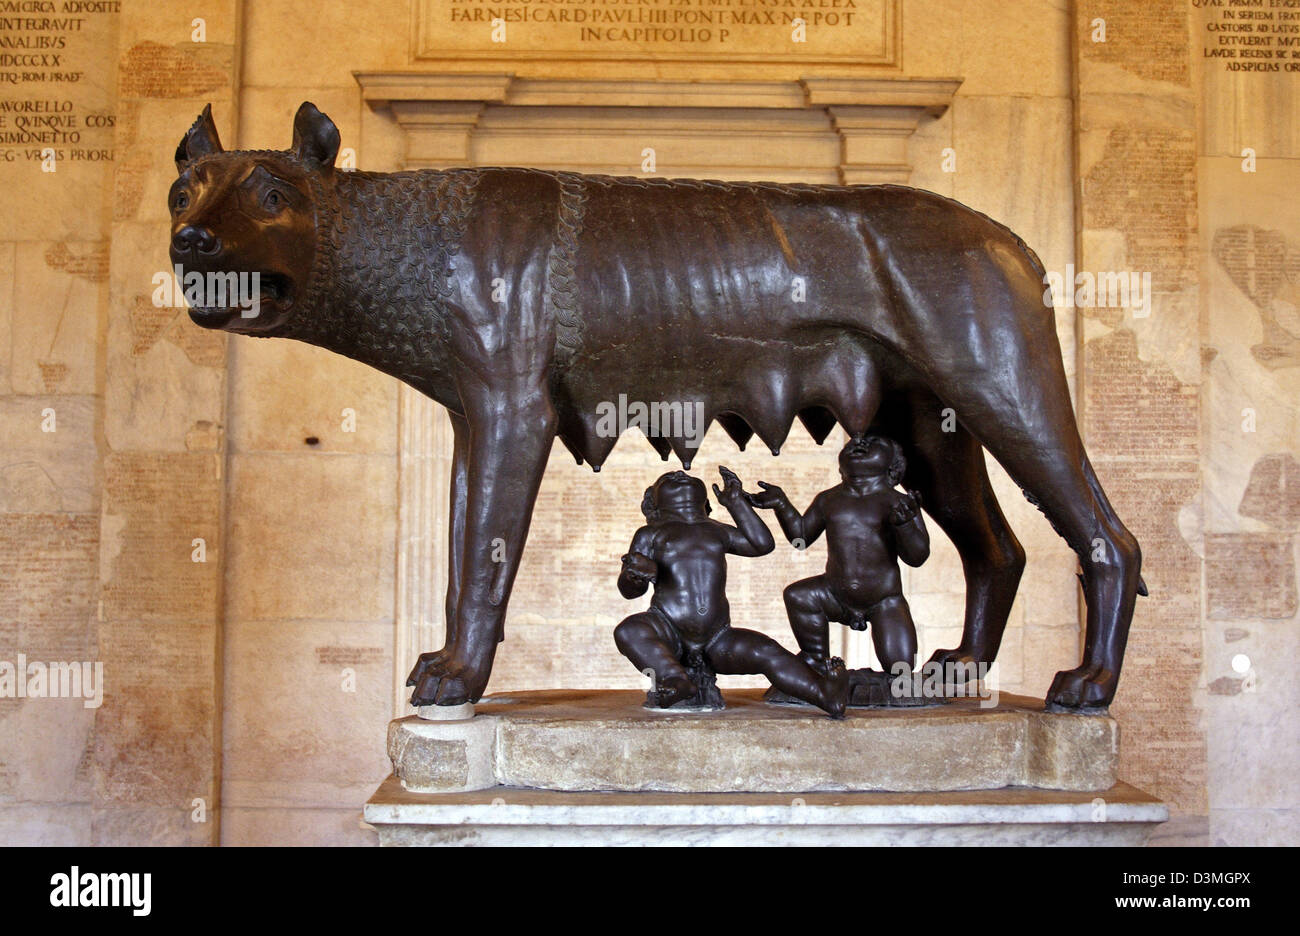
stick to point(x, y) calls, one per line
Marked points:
point(508, 447)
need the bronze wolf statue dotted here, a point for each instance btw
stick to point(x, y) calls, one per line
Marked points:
point(521, 300)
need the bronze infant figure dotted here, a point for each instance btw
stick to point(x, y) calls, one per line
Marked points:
point(869, 526)
point(687, 627)
point(521, 300)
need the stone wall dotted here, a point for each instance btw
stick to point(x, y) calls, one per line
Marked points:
point(1247, 169)
point(247, 694)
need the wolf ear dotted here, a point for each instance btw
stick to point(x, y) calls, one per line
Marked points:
point(200, 140)
point(315, 138)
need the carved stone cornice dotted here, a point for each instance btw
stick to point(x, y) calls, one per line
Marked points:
point(871, 118)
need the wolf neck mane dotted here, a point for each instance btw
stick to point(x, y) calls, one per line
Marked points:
point(372, 297)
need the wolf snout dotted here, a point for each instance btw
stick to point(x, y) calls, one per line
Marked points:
point(191, 239)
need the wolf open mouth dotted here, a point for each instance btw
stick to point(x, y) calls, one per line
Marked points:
point(274, 293)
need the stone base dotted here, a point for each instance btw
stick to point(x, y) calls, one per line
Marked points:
point(574, 741)
point(1121, 815)
point(462, 712)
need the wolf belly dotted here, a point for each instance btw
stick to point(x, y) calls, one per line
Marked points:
point(716, 287)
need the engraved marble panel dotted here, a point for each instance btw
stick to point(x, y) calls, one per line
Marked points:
point(337, 41)
point(285, 393)
point(311, 536)
point(59, 288)
point(48, 456)
point(275, 670)
point(165, 376)
point(7, 249)
point(293, 826)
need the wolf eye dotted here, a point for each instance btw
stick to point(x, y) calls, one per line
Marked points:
point(272, 201)
point(181, 202)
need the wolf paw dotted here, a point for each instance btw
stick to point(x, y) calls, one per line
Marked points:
point(447, 679)
point(1086, 686)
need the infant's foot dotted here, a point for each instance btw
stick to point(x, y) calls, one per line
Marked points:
point(835, 686)
point(668, 692)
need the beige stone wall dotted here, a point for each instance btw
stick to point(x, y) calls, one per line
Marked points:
point(54, 273)
point(247, 696)
point(1140, 406)
point(1247, 169)
point(309, 608)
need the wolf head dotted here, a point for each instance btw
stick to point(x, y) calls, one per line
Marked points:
point(253, 214)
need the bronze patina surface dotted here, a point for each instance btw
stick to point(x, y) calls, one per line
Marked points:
point(521, 300)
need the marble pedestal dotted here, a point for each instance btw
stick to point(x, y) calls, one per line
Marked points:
point(1121, 815)
point(575, 767)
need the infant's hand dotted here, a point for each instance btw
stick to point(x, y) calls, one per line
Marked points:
point(639, 567)
point(770, 497)
point(732, 492)
point(906, 509)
